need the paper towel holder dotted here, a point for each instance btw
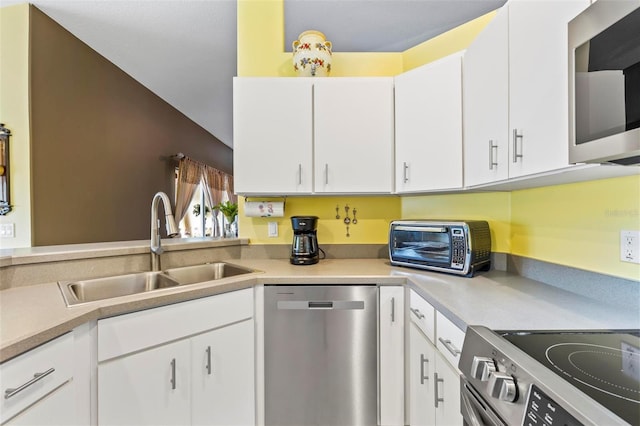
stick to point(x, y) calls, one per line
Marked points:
point(268, 204)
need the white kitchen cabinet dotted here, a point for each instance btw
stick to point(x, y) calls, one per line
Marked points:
point(353, 135)
point(35, 384)
point(422, 363)
point(302, 136)
point(223, 376)
point(391, 324)
point(515, 92)
point(485, 75)
point(146, 388)
point(428, 127)
point(272, 135)
point(187, 363)
point(434, 380)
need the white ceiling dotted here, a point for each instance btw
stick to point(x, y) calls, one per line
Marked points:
point(185, 50)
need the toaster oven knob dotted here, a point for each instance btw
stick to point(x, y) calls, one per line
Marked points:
point(482, 367)
point(503, 387)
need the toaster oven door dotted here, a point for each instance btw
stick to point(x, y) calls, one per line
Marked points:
point(429, 245)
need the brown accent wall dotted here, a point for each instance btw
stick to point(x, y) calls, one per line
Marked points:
point(100, 143)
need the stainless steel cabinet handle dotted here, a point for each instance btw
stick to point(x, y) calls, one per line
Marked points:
point(209, 360)
point(492, 161)
point(393, 309)
point(447, 344)
point(326, 174)
point(516, 136)
point(417, 312)
point(437, 380)
point(423, 360)
point(405, 174)
point(9, 392)
point(299, 174)
point(173, 373)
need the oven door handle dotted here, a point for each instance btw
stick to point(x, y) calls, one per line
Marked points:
point(470, 410)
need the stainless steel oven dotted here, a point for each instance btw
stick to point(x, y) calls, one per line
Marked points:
point(545, 378)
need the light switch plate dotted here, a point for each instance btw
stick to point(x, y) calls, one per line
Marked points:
point(630, 246)
point(273, 229)
point(7, 230)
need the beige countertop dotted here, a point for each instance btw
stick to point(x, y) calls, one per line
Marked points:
point(32, 315)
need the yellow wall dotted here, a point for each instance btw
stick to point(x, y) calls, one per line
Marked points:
point(493, 207)
point(373, 214)
point(577, 225)
point(14, 113)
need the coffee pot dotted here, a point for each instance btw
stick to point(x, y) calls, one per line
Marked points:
point(304, 250)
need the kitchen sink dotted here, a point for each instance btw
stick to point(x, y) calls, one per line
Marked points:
point(206, 272)
point(92, 290)
point(84, 291)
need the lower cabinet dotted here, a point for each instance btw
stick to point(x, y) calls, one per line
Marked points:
point(391, 361)
point(38, 386)
point(433, 382)
point(204, 378)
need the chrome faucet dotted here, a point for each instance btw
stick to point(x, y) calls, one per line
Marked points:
point(172, 228)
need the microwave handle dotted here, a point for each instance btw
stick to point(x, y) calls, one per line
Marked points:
point(422, 229)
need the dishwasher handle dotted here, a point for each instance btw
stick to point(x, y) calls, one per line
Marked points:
point(320, 305)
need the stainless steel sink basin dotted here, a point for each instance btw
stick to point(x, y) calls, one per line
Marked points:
point(206, 272)
point(76, 292)
point(92, 290)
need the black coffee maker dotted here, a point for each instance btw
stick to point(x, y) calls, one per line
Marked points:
point(304, 250)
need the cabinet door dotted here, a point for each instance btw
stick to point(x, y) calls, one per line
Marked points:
point(421, 378)
point(57, 408)
point(391, 319)
point(538, 84)
point(486, 110)
point(223, 378)
point(147, 388)
point(353, 128)
point(272, 135)
point(447, 393)
point(428, 125)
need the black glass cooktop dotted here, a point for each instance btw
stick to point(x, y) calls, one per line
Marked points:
point(603, 364)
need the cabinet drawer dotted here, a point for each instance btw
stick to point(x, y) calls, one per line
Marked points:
point(450, 339)
point(133, 332)
point(34, 374)
point(422, 314)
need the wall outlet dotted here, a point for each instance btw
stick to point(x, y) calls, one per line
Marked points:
point(7, 230)
point(630, 246)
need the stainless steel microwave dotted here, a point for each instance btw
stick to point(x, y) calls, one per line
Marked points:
point(457, 247)
point(604, 83)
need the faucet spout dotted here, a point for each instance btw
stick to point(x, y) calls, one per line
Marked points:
point(172, 228)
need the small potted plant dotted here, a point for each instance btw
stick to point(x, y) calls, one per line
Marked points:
point(230, 211)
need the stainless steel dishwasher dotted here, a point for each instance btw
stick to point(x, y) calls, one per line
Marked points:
point(321, 355)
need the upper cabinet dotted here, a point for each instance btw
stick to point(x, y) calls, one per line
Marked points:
point(516, 92)
point(273, 135)
point(353, 135)
point(428, 120)
point(306, 135)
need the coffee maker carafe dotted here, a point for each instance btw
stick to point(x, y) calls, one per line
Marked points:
point(304, 250)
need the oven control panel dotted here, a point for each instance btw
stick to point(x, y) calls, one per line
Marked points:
point(543, 411)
